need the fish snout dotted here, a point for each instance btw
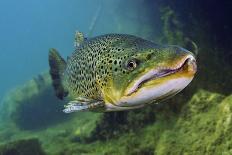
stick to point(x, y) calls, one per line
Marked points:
point(187, 65)
point(188, 60)
point(191, 65)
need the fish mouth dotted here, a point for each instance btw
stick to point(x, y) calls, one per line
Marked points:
point(186, 64)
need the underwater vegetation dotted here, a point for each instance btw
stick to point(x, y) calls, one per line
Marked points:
point(204, 123)
point(196, 121)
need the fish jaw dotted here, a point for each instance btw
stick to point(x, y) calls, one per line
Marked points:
point(155, 94)
point(158, 85)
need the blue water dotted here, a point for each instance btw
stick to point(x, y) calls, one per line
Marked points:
point(29, 28)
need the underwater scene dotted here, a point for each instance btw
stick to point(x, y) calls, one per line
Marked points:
point(116, 77)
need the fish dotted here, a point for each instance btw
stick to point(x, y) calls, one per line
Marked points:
point(117, 72)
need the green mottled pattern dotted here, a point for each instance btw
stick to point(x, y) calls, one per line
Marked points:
point(92, 65)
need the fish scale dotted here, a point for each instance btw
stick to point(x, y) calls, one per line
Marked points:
point(106, 71)
point(86, 56)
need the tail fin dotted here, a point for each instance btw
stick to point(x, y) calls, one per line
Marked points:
point(57, 66)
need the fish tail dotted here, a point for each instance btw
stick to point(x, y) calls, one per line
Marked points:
point(57, 66)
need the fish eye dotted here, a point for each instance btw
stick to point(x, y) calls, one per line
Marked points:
point(132, 64)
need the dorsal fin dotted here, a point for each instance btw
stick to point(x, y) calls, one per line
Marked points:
point(79, 38)
point(57, 66)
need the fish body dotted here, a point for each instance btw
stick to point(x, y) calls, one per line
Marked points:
point(117, 72)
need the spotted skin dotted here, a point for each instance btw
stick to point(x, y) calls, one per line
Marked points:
point(90, 68)
point(105, 68)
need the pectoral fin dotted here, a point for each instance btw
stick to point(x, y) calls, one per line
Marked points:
point(83, 104)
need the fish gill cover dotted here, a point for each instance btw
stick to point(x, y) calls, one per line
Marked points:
point(197, 121)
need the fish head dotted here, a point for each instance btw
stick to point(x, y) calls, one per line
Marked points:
point(148, 75)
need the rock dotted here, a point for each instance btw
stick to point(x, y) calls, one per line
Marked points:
point(33, 106)
point(204, 127)
point(22, 147)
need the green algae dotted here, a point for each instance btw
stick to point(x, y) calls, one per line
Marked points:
point(22, 147)
point(203, 127)
point(194, 128)
point(33, 111)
